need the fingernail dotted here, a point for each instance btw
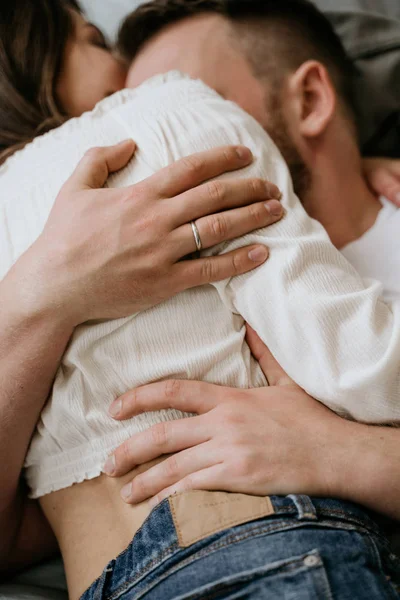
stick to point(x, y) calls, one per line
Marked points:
point(398, 198)
point(109, 467)
point(115, 408)
point(274, 208)
point(243, 153)
point(126, 492)
point(127, 141)
point(259, 254)
point(273, 191)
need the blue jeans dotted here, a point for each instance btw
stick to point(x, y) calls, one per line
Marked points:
point(308, 549)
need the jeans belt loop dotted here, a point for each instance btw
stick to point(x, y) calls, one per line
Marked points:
point(103, 580)
point(305, 508)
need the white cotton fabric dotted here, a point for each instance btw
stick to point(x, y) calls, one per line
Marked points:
point(377, 253)
point(329, 329)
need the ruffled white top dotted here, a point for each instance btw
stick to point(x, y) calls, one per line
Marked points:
point(330, 330)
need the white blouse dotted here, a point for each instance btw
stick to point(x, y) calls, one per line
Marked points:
point(329, 329)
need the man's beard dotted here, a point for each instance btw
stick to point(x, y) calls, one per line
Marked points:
point(278, 129)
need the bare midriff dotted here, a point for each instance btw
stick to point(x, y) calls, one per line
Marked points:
point(93, 525)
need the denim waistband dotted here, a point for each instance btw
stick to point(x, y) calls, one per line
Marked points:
point(157, 539)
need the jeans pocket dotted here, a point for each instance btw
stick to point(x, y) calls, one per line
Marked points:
point(297, 578)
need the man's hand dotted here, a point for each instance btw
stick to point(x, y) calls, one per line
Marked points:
point(274, 440)
point(383, 176)
point(108, 253)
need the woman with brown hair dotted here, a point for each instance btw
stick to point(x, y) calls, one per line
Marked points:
point(35, 38)
point(40, 299)
point(88, 518)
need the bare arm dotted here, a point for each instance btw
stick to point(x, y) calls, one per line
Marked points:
point(351, 461)
point(368, 467)
point(31, 346)
point(51, 289)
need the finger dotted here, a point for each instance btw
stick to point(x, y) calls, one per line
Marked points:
point(215, 196)
point(98, 163)
point(226, 226)
point(192, 273)
point(186, 396)
point(209, 479)
point(194, 170)
point(386, 183)
point(167, 473)
point(163, 438)
point(272, 370)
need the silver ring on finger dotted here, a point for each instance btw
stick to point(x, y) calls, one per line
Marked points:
point(197, 237)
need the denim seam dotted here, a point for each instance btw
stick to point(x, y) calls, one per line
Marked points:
point(155, 562)
point(170, 548)
point(353, 519)
point(233, 538)
point(286, 569)
point(200, 554)
point(326, 514)
point(378, 560)
point(165, 501)
point(95, 585)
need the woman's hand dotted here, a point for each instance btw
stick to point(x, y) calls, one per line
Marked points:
point(275, 440)
point(108, 253)
point(383, 176)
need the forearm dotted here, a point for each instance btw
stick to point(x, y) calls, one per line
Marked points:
point(365, 462)
point(32, 341)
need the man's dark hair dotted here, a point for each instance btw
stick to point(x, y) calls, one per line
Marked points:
point(278, 36)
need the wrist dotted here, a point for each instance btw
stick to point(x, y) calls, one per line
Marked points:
point(354, 459)
point(373, 479)
point(29, 295)
point(340, 465)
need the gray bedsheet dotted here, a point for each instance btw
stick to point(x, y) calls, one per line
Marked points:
point(46, 582)
point(374, 41)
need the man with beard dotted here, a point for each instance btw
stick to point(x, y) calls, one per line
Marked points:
point(309, 113)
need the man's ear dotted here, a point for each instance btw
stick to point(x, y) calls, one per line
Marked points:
point(312, 91)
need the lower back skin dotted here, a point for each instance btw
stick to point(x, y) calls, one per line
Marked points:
point(93, 525)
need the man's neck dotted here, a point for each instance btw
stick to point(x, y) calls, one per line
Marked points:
point(341, 201)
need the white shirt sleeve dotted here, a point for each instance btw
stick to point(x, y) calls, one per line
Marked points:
point(329, 329)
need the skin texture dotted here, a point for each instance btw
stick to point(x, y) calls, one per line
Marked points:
point(49, 290)
point(304, 117)
point(314, 124)
point(276, 440)
point(28, 325)
point(90, 72)
point(137, 218)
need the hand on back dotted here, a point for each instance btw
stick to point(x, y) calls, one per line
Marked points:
point(275, 440)
point(108, 253)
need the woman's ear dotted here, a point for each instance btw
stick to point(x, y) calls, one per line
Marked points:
point(314, 97)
